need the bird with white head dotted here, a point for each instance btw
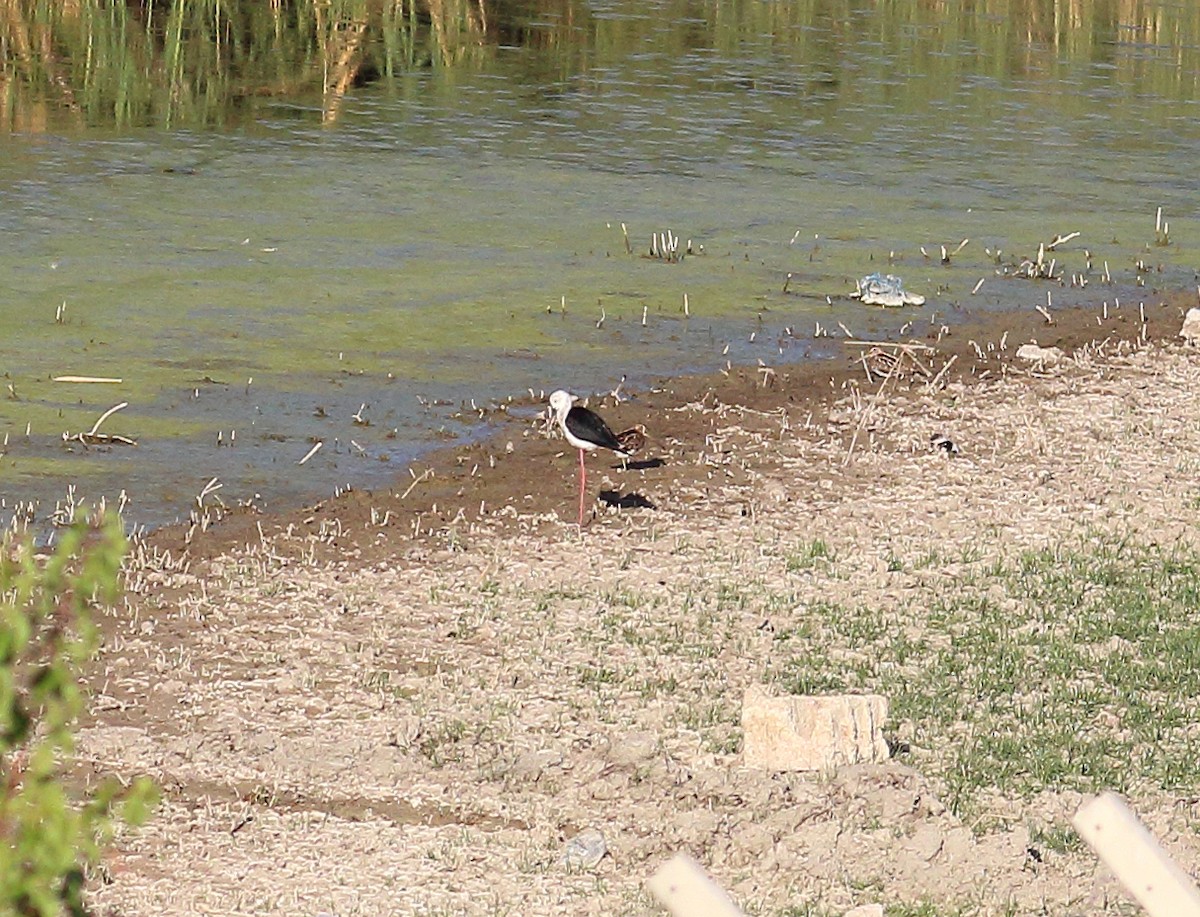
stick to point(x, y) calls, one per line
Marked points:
point(587, 431)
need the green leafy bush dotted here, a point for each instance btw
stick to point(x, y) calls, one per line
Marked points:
point(50, 834)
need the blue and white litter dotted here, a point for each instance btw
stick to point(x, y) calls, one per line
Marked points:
point(885, 290)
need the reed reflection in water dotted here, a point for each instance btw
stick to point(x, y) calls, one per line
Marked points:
point(98, 63)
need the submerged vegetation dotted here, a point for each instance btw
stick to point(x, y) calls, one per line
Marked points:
point(102, 63)
point(174, 64)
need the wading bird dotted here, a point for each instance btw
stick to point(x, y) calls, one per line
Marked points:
point(632, 440)
point(587, 431)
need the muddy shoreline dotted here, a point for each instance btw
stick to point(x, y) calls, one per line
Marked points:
point(378, 706)
point(517, 468)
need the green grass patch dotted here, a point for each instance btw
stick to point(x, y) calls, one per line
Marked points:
point(807, 556)
point(1071, 667)
point(1056, 838)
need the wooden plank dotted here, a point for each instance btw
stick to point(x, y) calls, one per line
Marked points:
point(681, 886)
point(103, 380)
point(1136, 858)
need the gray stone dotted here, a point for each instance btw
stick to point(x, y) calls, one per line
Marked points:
point(632, 748)
point(531, 765)
point(585, 849)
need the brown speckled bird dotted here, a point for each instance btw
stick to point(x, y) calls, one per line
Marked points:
point(632, 440)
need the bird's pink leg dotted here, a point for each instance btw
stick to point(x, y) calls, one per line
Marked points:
point(582, 484)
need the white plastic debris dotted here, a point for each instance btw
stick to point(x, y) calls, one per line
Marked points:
point(885, 290)
point(1041, 356)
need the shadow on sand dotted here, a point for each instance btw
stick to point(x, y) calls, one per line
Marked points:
point(625, 501)
point(642, 464)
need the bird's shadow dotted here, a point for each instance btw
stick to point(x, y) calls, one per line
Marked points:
point(625, 501)
point(642, 464)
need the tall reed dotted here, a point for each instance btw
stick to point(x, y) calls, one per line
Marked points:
point(86, 63)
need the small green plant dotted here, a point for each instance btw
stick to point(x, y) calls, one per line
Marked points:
point(49, 834)
point(809, 555)
point(805, 909)
point(1057, 838)
point(923, 908)
point(441, 744)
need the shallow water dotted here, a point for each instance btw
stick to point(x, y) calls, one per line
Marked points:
point(255, 286)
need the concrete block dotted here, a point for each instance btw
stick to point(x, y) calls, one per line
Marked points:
point(795, 733)
point(1190, 331)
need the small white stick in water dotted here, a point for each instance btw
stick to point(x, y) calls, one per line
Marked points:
point(311, 452)
point(427, 473)
point(1060, 239)
point(105, 416)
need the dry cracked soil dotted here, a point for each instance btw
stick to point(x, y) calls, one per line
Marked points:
point(409, 702)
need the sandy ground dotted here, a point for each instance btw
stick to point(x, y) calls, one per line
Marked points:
point(409, 703)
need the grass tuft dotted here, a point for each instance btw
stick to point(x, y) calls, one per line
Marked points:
point(1075, 666)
